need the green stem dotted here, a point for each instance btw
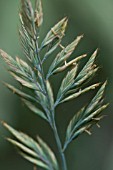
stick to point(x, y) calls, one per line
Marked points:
point(52, 123)
point(63, 160)
point(58, 142)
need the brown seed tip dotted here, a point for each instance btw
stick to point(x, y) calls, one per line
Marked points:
point(88, 132)
point(3, 123)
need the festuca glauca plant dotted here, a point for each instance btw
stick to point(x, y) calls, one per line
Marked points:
point(40, 98)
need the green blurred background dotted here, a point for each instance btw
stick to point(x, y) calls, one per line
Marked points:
point(94, 19)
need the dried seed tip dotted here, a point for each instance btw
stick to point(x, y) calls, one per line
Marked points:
point(65, 24)
point(8, 139)
point(95, 52)
point(38, 19)
point(8, 59)
point(103, 108)
point(97, 119)
point(9, 87)
point(88, 132)
point(104, 86)
point(74, 44)
point(106, 105)
point(71, 63)
point(95, 85)
point(80, 37)
point(61, 46)
point(98, 125)
point(4, 124)
point(64, 21)
point(80, 57)
point(5, 84)
point(27, 13)
point(20, 17)
point(65, 63)
point(84, 55)
point(3, 54)
point(56, 32)
point(105, 83)
point(38, 13)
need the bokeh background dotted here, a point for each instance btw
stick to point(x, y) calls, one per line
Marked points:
point(94, 19)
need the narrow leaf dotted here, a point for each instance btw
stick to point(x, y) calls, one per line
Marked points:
point(25, 139)
point(34, 161)
point(86, 78)
point(22, 147)
point(38, 153)
point(67, 82)
point(86, 117)
point(69, 64)
point(57, 32)
point(97, 99)
point(67, 51)
point(96, 113)
point(51, 48)
point(34, 109)
point(8, 59)
point(88, 66)
point(24, 82)
point(77, 94)
point(50, 155)
point(63, 56)
point(89, 121)
point(21, 71)
point(50, 93)
point(73, 122)
point(19, 92)
point(27, 16)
